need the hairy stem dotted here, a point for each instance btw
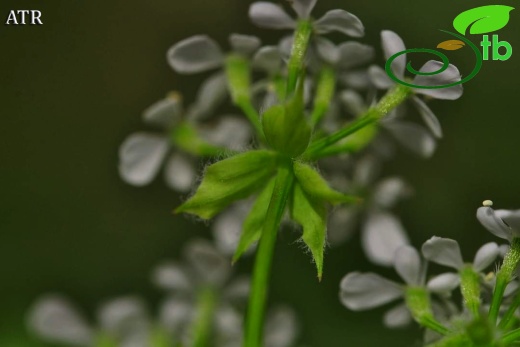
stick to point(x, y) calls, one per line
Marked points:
point(395, 97)
point(418, 302)
point(264, 256)
point(470, 289)
point(324, 94)
point(504, 276)
point(299, 49)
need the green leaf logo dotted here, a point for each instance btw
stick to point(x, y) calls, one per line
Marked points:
point(482, 20)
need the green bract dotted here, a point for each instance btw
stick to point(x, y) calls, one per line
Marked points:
point(311, 214)
point(230, 180)
point(316, 187)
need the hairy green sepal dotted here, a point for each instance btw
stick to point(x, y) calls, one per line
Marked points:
point(230, 180)
point(311, 214)
point(316, 187)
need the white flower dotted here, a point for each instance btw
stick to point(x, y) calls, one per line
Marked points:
point(143, 154)
point(393, 44)
point(271, 16)
point(362, 291)
point(502, 223)
point(204, 268)
point(124, 321)
point(447, 252)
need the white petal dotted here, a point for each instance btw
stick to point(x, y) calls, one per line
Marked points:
point(379, 77)
point(357, 79)
point(428, 117)
point(172, 277)
point(285, 46)
point(209, 265)
point(212, 92)
point(486, 255)
point(503, 249)
point(123, 315)
point(238, 290)
point(55, 319)
point(140, 158)
point(176, 315)
point(367, 170)
point(229, 324)
point(414, 137)
point(397, 317)
point(195, 54)
point(230, 132)
point(271, 16)
point(179, 173)
point(450, 75)
point(389, 191)
point(493, 223)
point(164, 112)
point(392, 44)
point(382, 235)
point(353, 54)
point(303, 7)
point(512, 218)
point(340, 21)
point(443, 284)
point(244, 44)
point(443, 251)
point(511, 288)
point(327, 50)
point(227, 227)
point(281, 328)
point(361, 291)
point(353, 102)
point(407, 263)
point(269, 59)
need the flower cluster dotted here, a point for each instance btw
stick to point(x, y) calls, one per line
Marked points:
point(203, 305)
point(488, 315)
point(312, 125)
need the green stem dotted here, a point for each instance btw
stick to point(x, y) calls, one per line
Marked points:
point(395, 97)
point(264, 256)
point(203, 323)
point(160, 338)
point(504, 276)
point(324, 94)
point(418, 302)
point(104, 340)
point(470, 289)
point(238, 72)
point(512, 336)
point(299, 49)
point(507, 318)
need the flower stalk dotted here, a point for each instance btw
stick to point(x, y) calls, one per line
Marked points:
point(393, 98)
point(204, 321)
point(504, 276)
point(470, 289)
point(264, 256)
point(299, 49)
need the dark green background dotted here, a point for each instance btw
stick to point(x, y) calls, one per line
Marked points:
point(72, 89)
